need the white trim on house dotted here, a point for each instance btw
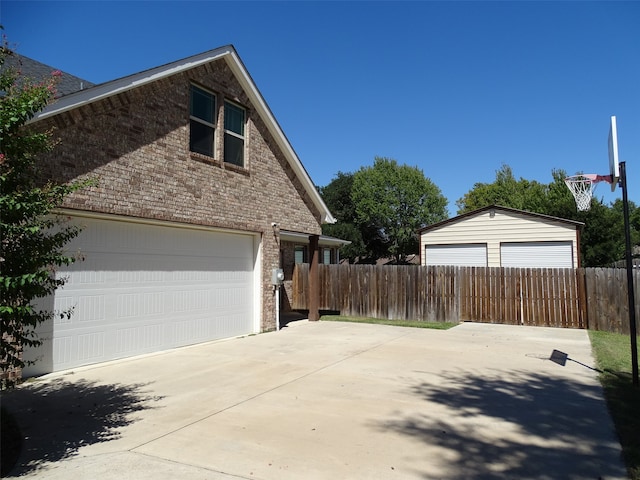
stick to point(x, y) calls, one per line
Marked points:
point(229, 54)
point(303, 238)
point(149, 221)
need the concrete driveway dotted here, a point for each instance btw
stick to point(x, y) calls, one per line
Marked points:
point(329, 400)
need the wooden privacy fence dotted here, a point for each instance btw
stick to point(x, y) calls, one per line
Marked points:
point(593, 298)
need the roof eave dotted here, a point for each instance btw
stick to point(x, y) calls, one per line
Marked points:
point(250, 87)
point(120, 85)
point(324, 240)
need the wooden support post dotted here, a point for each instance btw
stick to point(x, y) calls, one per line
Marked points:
point(314, 280)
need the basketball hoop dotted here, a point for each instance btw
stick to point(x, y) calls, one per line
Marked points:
point(582, 187)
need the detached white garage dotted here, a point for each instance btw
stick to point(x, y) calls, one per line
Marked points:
point(145, 287)
point(497, 236)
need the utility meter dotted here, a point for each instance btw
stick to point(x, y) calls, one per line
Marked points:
point(277, 276)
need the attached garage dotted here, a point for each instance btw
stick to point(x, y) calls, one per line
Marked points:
point(537, 254)
point(183, 226)
point(474, 255)
point(146, 287)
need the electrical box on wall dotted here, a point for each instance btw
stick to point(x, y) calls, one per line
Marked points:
point(277, 276)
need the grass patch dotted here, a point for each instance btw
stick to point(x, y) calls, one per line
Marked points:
point(10, 443)
point(613, 356)
point(385, 321)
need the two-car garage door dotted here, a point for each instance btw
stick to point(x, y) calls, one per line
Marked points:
point(144, 288)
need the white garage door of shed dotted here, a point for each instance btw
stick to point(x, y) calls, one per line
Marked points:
point(145, 288)
point(472, 255)
point(537, 254)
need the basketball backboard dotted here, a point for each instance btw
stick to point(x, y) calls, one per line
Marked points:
point(614, 164)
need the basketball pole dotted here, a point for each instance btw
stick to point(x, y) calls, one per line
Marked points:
point(629, 261)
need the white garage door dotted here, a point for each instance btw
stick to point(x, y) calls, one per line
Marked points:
point(537, 254)
point(145, 288)
point(470, 255)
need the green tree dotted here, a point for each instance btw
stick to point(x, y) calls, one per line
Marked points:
point(354, 251)
point(337, 197)
point(505, 191)
point(32, 239)
point(602, 237)
point(558, 200)
point(391, 202)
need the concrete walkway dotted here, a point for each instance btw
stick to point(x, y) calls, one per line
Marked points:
point(329, 400)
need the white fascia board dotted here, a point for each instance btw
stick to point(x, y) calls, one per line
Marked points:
point(241, 73)
point(303, 238)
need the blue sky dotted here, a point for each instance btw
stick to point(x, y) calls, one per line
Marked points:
point(455, 88)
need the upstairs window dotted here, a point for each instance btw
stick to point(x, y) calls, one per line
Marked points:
point(202, 127)
point(234, 119)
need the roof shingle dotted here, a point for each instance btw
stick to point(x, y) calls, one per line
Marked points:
point(35, 70)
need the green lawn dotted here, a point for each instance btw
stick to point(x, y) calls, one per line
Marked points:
point(613, 357)
point(384, 321)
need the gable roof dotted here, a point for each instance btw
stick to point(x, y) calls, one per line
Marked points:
point(479, 211)
point(230, 56)
point(35, 70)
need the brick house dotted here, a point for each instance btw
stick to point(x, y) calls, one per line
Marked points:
point(199, 197)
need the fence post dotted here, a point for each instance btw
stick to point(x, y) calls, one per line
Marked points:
point(581, 286)
point(314, 280)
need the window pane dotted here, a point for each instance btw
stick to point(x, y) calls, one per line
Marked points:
point(201, 138)
point(202, 104)
point(326, 256)
point(233, 150)
point(233, 118)
point(299, 254)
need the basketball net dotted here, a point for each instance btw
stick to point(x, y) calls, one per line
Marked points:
point(582, 187)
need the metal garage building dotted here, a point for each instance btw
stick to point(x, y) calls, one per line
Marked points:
point(497, 236)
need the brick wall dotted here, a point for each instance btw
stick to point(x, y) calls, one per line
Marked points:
point(288, 263)
point(136, 144)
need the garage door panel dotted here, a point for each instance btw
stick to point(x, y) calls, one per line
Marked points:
point(537, 254)
point(96, 266)
point(456, 254)
point(140, 239)
point(144, 288)
point(131, 340)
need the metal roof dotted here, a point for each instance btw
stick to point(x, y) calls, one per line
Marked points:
point(479, 211)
